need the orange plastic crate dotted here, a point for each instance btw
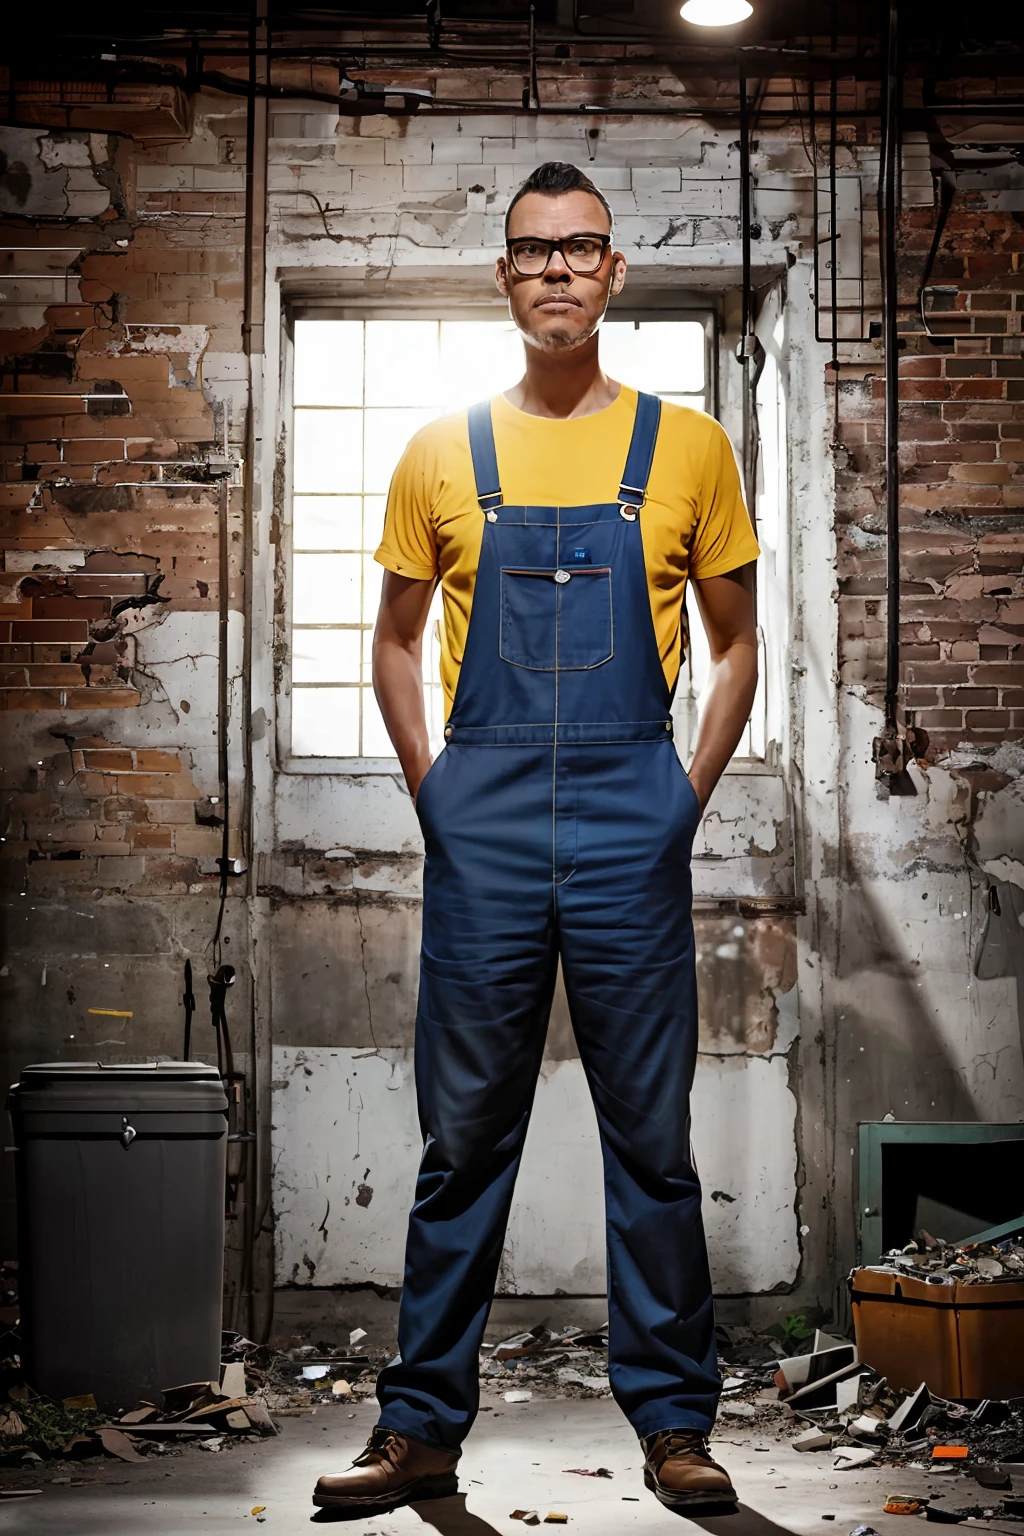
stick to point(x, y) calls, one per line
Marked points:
point(963, 1341)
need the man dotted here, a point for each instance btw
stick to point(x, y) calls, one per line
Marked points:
point(563, 520)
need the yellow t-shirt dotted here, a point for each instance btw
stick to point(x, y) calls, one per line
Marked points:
point(694, 522)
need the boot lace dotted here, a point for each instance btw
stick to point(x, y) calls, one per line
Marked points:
point(684, 1442)
point(380, 1446)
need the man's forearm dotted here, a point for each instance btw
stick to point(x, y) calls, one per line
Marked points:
point(398, 685)
point(732, 684)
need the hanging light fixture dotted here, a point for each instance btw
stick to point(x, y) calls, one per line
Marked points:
point(716, 13)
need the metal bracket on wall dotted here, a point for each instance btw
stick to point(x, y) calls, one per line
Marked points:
point(891, 754)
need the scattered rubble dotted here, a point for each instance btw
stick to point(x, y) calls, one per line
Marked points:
point(849, 1411)
point(955, 1461)
point(35, 1429)
point(901, 1504)
point(572, 1363)
point(969, 1263)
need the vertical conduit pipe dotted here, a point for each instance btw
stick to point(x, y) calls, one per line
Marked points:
point(833, 217)
point(256, 1152)
point(745, 349)
point(887, 214)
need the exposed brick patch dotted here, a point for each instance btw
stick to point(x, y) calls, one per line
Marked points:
point(97, 542)
point(96, 801)
point(962, 492)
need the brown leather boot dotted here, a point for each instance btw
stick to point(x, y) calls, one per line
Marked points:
point(391, 1471)
point(680, 1473)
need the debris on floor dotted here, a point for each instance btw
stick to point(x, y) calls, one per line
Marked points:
point(849, 1456)
point(959, 1460)
point(812, 1440)
point(570, 1363)
point(821, 1400)
point(304, 1377)
point(35, 1429)
point(968, 1263)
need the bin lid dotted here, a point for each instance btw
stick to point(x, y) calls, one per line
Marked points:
point(123, 1071)
point(92, 1086)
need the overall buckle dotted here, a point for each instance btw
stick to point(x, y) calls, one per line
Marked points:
point(490, 501)
point(631, 499)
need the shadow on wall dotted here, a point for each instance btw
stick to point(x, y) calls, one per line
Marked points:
point(889, 1045)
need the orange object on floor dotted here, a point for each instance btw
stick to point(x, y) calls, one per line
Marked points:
point(950, 1452)
point(897, 1505)
point(962, 1341)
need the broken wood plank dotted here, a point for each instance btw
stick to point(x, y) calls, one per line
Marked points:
point(256, 1413)
point(115, 1443)
point(211, 1410)
point(170, 1427)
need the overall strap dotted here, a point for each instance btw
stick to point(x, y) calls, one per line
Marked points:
point(633, 490)
point(485, 460)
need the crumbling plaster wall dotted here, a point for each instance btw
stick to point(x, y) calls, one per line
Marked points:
point(838, 988)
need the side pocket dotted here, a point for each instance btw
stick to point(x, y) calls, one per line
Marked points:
point(426, 782)
point(691, 793)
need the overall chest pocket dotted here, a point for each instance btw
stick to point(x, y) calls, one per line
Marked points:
point(557, 620)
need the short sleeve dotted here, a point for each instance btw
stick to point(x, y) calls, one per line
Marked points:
point(409, 544)
point(724, 538)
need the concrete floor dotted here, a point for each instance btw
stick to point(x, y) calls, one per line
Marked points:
point(516, 1457)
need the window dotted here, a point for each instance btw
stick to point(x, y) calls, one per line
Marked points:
point(360, 389)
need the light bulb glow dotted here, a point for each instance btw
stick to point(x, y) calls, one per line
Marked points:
point(716, 13)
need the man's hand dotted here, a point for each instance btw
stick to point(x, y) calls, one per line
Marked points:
point(398, 671)
point(726, 606)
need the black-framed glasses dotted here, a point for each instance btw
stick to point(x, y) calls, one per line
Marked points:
point(582, 253)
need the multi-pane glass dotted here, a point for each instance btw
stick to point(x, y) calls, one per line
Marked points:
point(361, 388)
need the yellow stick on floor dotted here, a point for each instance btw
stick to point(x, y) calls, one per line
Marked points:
point(114, 1013)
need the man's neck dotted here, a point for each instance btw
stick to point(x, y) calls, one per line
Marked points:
point(563, 384)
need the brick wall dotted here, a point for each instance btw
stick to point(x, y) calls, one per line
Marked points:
point(962, 487)
point(103, 817)
point(109, 520)
point(108, 513)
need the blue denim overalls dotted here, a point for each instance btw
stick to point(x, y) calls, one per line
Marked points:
point(558, 822)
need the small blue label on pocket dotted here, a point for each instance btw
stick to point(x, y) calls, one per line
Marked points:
point(581, 554)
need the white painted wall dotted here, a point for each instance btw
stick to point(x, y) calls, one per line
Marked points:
point(345, 1120)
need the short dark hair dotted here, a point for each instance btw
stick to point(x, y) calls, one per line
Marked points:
point(552, 179)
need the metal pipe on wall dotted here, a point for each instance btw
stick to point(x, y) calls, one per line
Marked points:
point(256, 1281)
point(745, 350)
point(888, 208)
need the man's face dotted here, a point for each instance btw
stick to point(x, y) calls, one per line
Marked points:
point(559, 309)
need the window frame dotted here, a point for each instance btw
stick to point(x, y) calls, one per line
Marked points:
point(642, 305)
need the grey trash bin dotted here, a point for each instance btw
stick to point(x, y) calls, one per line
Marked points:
point(120, 1181)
